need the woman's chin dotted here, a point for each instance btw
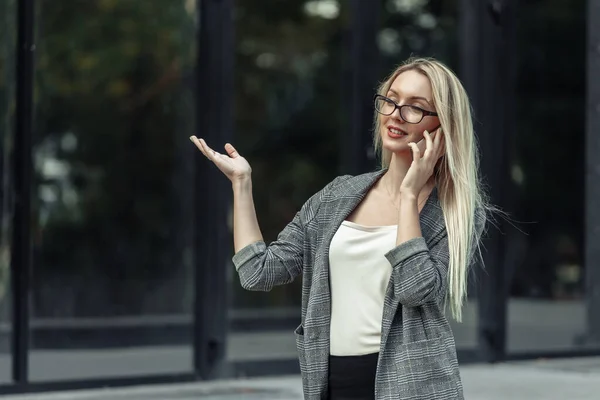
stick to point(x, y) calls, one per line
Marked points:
point(397, 145)
point(396, 148)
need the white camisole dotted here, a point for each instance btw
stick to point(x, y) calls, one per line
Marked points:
point(359, 275)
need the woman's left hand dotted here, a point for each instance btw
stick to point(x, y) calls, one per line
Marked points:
point(423, 165)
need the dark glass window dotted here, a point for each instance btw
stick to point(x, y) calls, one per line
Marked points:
point(547, 303)
point(8, 38)
point(112, 192)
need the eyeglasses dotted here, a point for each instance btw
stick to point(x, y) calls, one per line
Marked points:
point(410, 114)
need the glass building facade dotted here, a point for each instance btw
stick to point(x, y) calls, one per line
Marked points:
point(115, 234)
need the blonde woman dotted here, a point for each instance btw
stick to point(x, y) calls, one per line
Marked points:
point(381, 254)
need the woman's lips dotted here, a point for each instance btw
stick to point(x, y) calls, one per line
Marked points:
point(396, 133)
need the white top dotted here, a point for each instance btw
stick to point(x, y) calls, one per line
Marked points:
point(359, 276)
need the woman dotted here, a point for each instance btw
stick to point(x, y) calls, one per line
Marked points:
point(380, 253)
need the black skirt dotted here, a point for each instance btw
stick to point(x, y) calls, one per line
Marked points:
point(352, 377)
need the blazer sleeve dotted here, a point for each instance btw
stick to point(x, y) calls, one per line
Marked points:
point(261, 266)
point(421, 273)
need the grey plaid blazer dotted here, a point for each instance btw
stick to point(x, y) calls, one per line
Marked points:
point(417, 358)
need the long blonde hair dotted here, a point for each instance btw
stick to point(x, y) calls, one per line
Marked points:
point(459, 189)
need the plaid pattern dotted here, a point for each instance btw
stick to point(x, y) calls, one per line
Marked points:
point(417, 357)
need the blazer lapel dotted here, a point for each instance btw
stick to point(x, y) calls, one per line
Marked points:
point(334, 210)
point(343, 200)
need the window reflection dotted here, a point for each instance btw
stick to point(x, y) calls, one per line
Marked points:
point(8, 33)
point(112, 194)
point(418, 27)
point(288, 110)
point(547, 307)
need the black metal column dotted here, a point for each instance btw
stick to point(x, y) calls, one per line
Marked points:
point(213, 190)
point(592, 183)
point(364, 66)
point(20, 265)
point(487, 69)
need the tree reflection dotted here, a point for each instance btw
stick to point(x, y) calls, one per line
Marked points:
point(113, 97)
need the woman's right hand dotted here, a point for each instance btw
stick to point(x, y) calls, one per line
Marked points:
point(234, 166)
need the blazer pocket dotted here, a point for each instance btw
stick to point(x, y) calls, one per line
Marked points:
point(299, 333)
point(427, 369)
point(300, 346)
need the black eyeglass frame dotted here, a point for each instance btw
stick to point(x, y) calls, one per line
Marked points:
point(399, 107)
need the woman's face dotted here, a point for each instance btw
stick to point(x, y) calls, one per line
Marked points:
point(414, 89)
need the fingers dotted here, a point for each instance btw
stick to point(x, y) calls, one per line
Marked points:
point(435, 144)
point(203, 147)
point(416, 152)
point(210, 153)
point(431, 146)
point(437, 136)
point(428, 143)
point(207, 151)
point(438, 144)
point(231, 151)
point(422, 144)
point(195, 140)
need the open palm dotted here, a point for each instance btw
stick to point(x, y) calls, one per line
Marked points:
point(231, 164)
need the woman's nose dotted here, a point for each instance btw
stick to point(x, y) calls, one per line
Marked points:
point(397, 115)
